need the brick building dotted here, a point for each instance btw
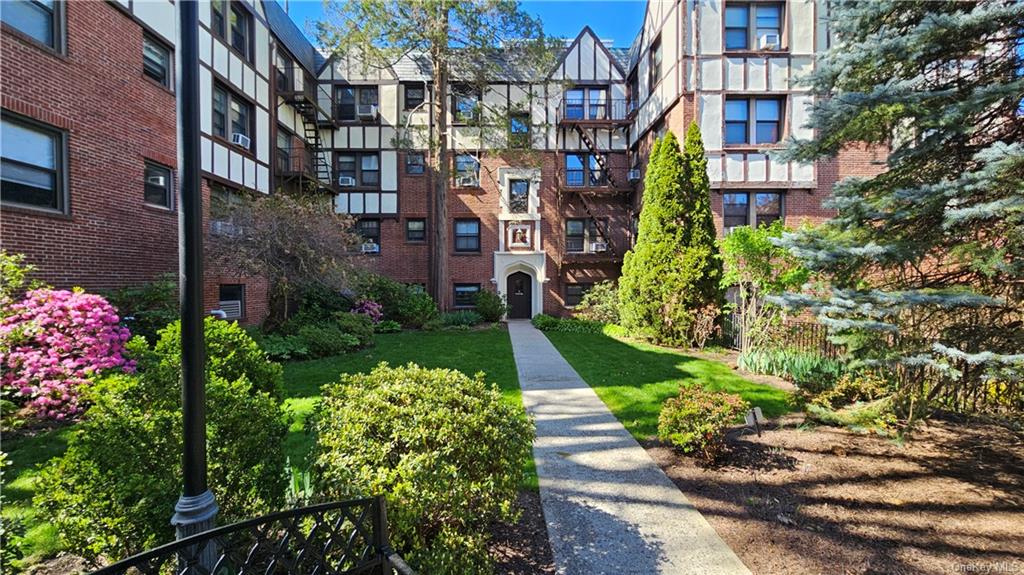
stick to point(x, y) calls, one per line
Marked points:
point(88, 88)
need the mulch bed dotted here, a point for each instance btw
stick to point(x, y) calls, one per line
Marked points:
point(829, 501)
point(523, 548)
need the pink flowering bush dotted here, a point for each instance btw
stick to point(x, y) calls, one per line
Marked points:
point(370, 309)
point(53, 342)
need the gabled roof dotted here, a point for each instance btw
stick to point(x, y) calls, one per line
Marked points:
point(597, 42)
point(282, 27)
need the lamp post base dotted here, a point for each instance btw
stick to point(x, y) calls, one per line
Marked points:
point(194, 514)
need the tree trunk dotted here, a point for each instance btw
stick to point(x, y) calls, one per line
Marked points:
point(439, 168)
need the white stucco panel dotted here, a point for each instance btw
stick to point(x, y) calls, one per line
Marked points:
point(757, 74)
point(158, 15)
point(389, 171)
point(389, 104)
point(262, 135)
point(778, 171)
point(778, 74)
point(714, 167)
point(237, 165)
point(263, 179)
point(206, 94)
point(734, 167)
point(710, 74)
point(801, 26)
point(206, 152)
point(220, 58)
point(802, 172)
point(800, 104)
point(734, 79)
point(205, 49)
point(757, 167)
point(710, 26)
point(220, 160)
point(262, 49)
point(711, 120)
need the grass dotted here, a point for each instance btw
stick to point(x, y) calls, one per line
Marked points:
point(488, 350)
point(634, 379)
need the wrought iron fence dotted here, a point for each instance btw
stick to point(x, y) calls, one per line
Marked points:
point(805, 336)
point(341, 538)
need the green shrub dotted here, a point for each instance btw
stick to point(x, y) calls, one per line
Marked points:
point(544, 322)
point(388, 326)
point(600, 303)
point(811, 372)
point(491, 305)
point(464, 317)
point(444, 448)
point(284, 347)
point(230, 354)
point(389, 293)
point(12, 528)
point(356, 325)
point(851, 388)
point(877, 415)
point(320, 301)
point(696, 420)
point(417, 309)
point(567, 325)
point(326, 339)
point(148, 308)
point(111, 493)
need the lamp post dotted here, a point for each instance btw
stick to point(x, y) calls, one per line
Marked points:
point(196, 508)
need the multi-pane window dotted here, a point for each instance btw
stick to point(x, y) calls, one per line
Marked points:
point(753, 26)
point(363, 169)
point(223, 204)
point(156, 61)
point(467, 235)
point(218, 17)
point(467, 170)
point(241, 30)
point(465, 105)
point(414, 96)
point(230, 108)
point(465, 295)
point(751, 208)
point(355, 103)
point(518, 196)
point(654, 58)
point(586, 103)
point(158, 190)
point(415, 163)
point(753, 120)
point(284, 70)
point(584, 170)
point(232, 300)
point(369, 230)
point(283, 153)
point(574, 293)
point(416, 230)
point(579, 233)
point(519, 130)
point(37, 19)
point(33, 167)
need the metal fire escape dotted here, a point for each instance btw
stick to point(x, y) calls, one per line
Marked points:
point(308, 161)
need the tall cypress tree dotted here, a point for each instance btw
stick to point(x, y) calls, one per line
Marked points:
point(924, 262)
point(673, 270)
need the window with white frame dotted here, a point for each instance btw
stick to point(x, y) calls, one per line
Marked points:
point(518, 196)
point(33, 169)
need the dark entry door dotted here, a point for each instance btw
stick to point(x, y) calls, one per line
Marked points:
point(520, 298)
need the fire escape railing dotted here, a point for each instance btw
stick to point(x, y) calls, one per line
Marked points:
point(313, 103)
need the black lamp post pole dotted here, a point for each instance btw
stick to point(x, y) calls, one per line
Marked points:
point(196, 509)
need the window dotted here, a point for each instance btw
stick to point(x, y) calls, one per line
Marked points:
point(738, 211)
point(353, 103)
point(364, 169)
point(415, 163)
point(584, 170)
point(230, 107)
point(574, 293)
point(369, 230)
point(465, 105)
point(158, 188)
point(467, 235)
point(284, 70)
point(519, 196)
point(218, 9)
point(415, 230)
point(156, 61)
point(414, 97)
point(654, 65)
point(232, 300)
point(467, 171)
point(586, 103)
point(32, 170)
point(465, 295)
point(223, 203)
point(765, 34)
point(37, 19)
point(519, 130)
point(241, 30)
point(579, 232)
point(766, 127)
point(283, 153)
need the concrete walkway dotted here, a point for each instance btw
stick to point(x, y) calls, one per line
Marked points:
point(609, 508)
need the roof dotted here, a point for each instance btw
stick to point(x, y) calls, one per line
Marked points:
point(282, 26)
point(621, 55)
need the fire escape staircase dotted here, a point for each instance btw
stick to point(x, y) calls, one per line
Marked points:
point(310, 113)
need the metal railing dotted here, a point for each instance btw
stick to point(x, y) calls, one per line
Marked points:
point(294, 85)
point(580, 178)
point(302, 160)
point(584, 110)
point(341, 538)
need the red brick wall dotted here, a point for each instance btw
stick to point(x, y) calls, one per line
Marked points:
point(115, 118)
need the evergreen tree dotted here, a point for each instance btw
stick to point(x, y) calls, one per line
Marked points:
point(672, 274)
point(924, 262)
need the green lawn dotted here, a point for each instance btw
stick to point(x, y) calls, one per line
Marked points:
point(633, 379)
point(489, 351)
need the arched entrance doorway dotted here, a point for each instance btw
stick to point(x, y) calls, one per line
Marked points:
point(519, 292)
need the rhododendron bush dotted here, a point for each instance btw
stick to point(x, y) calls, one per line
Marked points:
point(370, 309)
point(53, 342)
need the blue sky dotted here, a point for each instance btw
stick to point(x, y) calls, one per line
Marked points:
point(618, 20)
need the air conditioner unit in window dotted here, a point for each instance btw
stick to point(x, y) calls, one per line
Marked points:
point(598, 247)
point(634, 175)
point(160, 181)
point(232, 308)
point(346, 182)
point(371, 248)
point(768, 42)
point(240, 139)
point(467, 182)
point(366, 111)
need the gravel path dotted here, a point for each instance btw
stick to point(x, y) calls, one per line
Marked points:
point(609, 507)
